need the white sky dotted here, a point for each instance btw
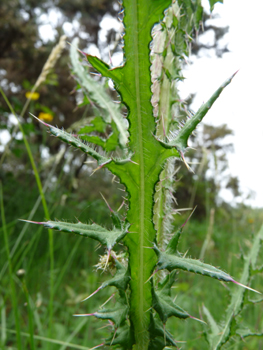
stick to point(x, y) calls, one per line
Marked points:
point(239, 106)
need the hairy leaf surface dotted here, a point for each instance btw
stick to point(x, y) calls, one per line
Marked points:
point(94, 231)
point(110, 110)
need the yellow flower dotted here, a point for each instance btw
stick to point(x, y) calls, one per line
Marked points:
point(32, 95)
point(45, 117)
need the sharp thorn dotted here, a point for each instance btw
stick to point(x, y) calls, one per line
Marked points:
point(151, 276)
point(96, 291)
point(82, 315)
point(41, 121)
point(97, 346)
point(106, 202)
point(189, 217)
point(134, 162)
point(242, 285)
point(197, 319)
point(32, 222)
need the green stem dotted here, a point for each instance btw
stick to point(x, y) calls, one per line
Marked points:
point(147, 154)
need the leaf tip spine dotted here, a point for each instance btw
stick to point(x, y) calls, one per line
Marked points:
point(96, 291)
point(106, 202)
point(151, 276)
point(41, 121)
point(249, 288)
point(32, 222)
point(197, 319)
point(83, 315)
point(185, 162)
point(189, 217)
point(97, 346)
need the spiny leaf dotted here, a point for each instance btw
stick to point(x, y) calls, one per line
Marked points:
point(160, 337)
point(191, 123)
point(164, 304)
point(211, 337)
point(120, 280)
point(111, 111)
point(118, 314)
point(96, 124)
point(117, 222)
point(166, 57)
point(165, 307)
point(76, 142)
point(212, 323)
point(198, 15)
point(179, 139)
point(94, 231)
point(166, 284)
point(171, 262)
point(102, 67)
point(246, 332)
point(254, 301)
point(160, 343)
point(173, 243)
point(122, 337)
point(108, 144)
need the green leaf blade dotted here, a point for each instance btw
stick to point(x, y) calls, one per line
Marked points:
point(179, 138)
point(172, 262)
point(110, 110)
point(75, 142)
point(185, 132)
point(94, 231)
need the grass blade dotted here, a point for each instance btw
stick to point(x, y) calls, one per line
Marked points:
point(44, 204)
point(13, 290)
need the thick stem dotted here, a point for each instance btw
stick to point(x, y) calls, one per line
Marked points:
point(147, 152)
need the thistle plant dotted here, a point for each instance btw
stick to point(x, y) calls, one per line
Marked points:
point(141, 151)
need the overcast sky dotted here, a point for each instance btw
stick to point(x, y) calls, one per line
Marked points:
point(239, 106)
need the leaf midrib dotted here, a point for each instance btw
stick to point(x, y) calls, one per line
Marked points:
point(141, 163)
